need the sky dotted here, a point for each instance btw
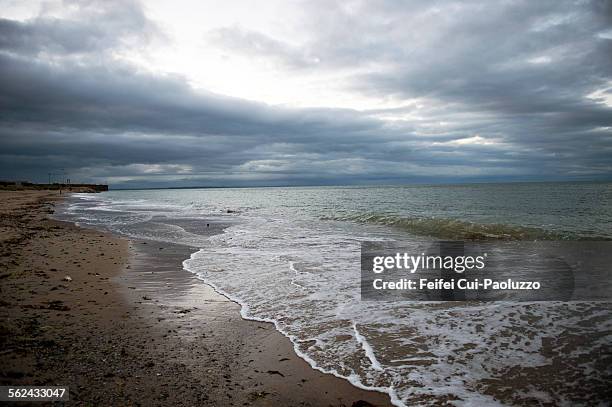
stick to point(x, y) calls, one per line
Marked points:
point(243, 93)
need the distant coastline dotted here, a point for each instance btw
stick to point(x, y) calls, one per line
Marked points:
point(29, 186)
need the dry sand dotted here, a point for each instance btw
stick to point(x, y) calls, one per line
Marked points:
point(129, 327)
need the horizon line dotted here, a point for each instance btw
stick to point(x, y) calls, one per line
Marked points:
point(603, 181)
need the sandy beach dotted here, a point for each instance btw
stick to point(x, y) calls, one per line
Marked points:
point(121, 323)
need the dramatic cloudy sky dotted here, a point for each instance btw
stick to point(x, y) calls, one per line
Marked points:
point(161, 93)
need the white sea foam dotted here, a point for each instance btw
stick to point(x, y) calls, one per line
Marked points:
point(452, 348)
point(367, 348)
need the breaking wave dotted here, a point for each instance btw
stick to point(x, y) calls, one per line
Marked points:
point(460, 230)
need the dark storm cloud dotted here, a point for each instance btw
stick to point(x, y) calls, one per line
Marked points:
point(73, 117)
point(510, 80)
point(118, 99)
point(515, 59)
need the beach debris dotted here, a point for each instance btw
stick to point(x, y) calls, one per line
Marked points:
point(257, 394)
point(146, 298)
point(57, 305)
point(67, 278)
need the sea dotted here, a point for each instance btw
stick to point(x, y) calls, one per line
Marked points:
point(291, 256)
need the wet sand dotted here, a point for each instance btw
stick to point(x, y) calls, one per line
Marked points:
point(120, 322)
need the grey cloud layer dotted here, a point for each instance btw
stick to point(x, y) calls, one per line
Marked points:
point(91, 29)
point(509, 79)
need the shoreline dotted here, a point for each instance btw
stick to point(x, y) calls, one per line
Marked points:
point(115, 333)
point(389, 395)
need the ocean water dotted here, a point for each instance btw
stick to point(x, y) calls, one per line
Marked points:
point(291, 256)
